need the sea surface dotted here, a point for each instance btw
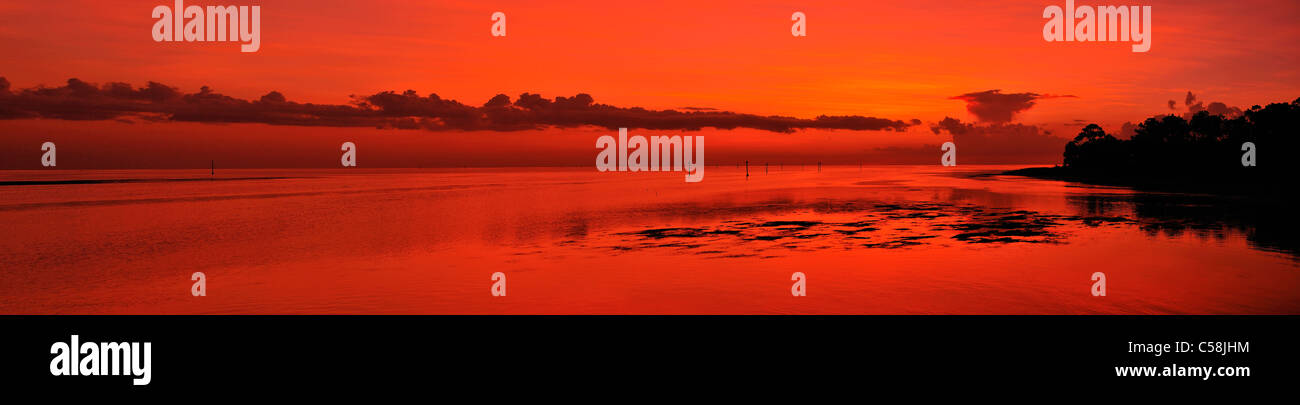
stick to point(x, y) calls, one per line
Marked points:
point(868, 240)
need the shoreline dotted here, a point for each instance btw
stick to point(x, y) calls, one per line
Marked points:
point(1221, 185)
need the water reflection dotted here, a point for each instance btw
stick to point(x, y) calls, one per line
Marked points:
point(949, 216)
point(1266, 226)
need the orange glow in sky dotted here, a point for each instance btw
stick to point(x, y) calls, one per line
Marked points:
point(895, 60)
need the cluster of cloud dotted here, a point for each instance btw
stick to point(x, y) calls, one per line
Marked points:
point(993, 106)
point(993, 138)
point(1191, 106)
point(1194, 106)
point(1001, 142)
point(79, 100)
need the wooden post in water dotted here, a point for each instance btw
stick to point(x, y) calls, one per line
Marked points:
point(746, 169)
point(212, 168)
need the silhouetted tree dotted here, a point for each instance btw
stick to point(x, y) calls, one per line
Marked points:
point(1094, 149)
point(1206, 147)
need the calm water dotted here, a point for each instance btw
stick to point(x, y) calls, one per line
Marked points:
point(886, 239)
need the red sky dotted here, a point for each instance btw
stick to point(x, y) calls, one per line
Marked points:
point(895, 60)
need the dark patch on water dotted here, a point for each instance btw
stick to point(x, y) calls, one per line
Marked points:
point(799, 224)
point(881, 226)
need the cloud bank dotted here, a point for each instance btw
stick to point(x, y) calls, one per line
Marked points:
point(1001, 142)
point(79, 100)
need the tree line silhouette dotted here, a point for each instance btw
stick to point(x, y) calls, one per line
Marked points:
point(1206, 150)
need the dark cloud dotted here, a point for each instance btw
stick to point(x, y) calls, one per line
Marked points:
point(1193, 105)
point(1214, 108)
point(1001, 142)
point(1217, 108)
point(1126, 130)
point(995, 107)
point(79, 100)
